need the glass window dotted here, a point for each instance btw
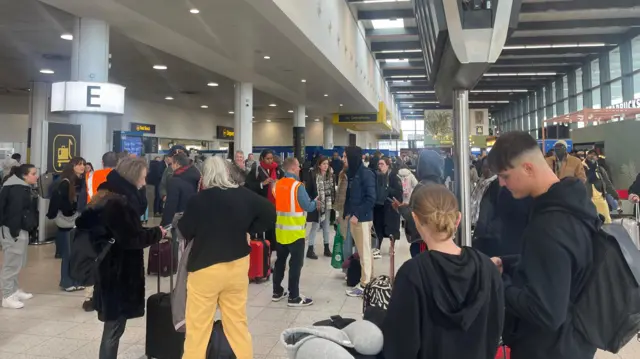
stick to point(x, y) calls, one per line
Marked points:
point(578, 80)
point(616, 92)
point(595, 98)
point(565, 87)
point(565, 106)
point(553, 92)
point(544, 96)
point(614, 64)
point(636, 85)
point(595, 73)
point(635, 51)
point(580, 104)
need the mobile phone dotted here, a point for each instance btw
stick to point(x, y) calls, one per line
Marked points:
point(168, 227)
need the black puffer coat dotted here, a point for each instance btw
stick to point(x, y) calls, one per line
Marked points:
point(115, 213)
point(18, 206)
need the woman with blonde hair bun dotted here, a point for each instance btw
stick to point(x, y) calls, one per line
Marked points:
point(445, 296)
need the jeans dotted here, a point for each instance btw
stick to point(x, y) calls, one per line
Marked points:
point(63, 239)
point(296, 250)
point(15, 258)
point(157, 200)
point(348, 247)
point(111, 335)
point(314, 231)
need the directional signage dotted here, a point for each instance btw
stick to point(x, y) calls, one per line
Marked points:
point(143, 127)
point(224, 132)
point(63, 144)
point(350, 118)
point(87, 97)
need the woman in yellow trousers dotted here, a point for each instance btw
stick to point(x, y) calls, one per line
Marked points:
point(218, 220)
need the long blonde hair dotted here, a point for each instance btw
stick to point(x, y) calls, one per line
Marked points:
point(215, 173)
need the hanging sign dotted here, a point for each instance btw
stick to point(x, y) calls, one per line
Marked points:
point(63, 144)
point(143, 127)
point(87, 97)
point(225, 133)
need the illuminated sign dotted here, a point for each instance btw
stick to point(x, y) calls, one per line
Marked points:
point(87, 97)
point(367, 117)
point(63, 144)
point(224, 132)
point(627, 104)
point(143, 127)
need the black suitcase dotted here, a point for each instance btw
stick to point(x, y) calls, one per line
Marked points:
point(162, 340)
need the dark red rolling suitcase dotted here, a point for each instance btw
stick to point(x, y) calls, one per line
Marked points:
point(162, 260)
point(260, 260)
point(162, 340)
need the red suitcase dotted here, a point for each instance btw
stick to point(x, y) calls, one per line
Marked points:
point(260, 260)
point(504, 352)
point(160, 258)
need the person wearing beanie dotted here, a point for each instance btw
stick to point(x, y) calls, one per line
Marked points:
point(358, 210)
point(563, 164)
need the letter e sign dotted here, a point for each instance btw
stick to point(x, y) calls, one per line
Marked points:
point(93, 96)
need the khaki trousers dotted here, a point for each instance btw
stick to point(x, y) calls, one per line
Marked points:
point(361, 234)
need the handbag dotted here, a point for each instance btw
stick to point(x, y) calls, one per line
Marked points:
point(66, 222)
point(337, 258)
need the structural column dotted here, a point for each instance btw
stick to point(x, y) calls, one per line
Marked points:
point(90, 63)
point(461, 161)
point(38, 110)
point(299, 121)
point(243, 118)
point(327, 131)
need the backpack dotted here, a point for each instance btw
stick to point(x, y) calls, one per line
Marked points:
point(84, 260)
point(219, 347)
point(377, 294)
point(606, 311)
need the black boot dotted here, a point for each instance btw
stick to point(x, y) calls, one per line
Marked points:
point(311, 254)
point(327, 251)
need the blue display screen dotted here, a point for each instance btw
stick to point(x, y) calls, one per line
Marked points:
point(133, 144)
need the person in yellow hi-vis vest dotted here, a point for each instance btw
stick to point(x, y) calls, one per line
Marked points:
point(292, 203)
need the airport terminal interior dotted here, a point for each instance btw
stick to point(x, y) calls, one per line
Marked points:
point(302, 78)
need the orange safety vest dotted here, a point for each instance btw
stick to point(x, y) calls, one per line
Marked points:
point(291, 218)
point(94, 180)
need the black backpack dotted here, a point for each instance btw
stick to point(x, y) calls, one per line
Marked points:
point(84, 259)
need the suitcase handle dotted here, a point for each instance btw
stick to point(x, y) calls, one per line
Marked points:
point(170, 266)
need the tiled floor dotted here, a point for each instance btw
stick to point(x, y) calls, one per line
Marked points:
point(52, 324)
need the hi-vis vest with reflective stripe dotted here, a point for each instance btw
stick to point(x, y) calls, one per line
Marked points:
point(291, 220)
point(94, 180)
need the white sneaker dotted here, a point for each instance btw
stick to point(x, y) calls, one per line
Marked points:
point(12, 303)
point(376, 254)
point(22, 295)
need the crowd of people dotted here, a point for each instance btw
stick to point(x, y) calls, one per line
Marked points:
point(530, 214)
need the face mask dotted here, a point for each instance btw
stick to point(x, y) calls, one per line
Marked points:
point(561, 152)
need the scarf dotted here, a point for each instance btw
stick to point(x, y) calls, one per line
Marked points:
point(272, 172)
point(324, 184)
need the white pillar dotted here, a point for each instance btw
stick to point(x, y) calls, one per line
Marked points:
point(327, 131)
point(90, 63)
point(243, 118)
point(38, 110)
point(299, 143)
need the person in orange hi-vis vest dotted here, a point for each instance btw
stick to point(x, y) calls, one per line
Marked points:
point(92, 183)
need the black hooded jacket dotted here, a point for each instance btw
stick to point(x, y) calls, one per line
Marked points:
point(555, 259)
point(180, 188)
point(115, 213)
point(429, 170)
point(445, 306)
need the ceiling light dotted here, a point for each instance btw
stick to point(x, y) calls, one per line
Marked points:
point(68, 37)
point(231, 112)
point(522, 74)
point(254, 121)
point(379, 1)
point(272, 105)
point(303, 80)
point(396, 60)
point(204, 106)
point(268, 120)
point(168, 98)
point(159, 67)
point(305, 116)
point(387, 23)
point(47, 71)
point(194, 11)
point(290, 111)
point(317, 120)
point(212, 84)
point(341, 105)
point(326, 95)
point(267, 57)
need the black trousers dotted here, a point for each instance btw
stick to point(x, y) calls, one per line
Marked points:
point(296, 250)
point(157, 200)
point(111, 335)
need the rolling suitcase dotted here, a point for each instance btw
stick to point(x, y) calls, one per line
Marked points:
point(162, 340)
point(162, 260)
point(260, 260)
point(632, 226)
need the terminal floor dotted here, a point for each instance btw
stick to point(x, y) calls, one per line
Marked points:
point(52, 324)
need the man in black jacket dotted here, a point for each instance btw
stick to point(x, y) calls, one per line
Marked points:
point(154, 178)
point(181, 186)
point(556, 254)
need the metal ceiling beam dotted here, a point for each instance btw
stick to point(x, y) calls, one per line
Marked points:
point(395, 46)
point(405, 31)
point(573, 24)
point(560, 68)
point(557, 51)
point(533, 7)
point(565, 39)
point(386, 14)
point(398, 55)
point(408, 72)
point(561, 61)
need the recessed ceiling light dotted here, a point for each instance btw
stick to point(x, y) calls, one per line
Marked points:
point(253, 116)
point(159, 67)
point(303, 80)
point(341, 105)
point(272, 105)
point(326, 95)
point(290, 111)
point(194, 11)
point(212, 84)
point(231, 112)
point(168, 98)
point(305, 116)
point(68, 37)
point(267, 57)
point(47, 71)
point(268, 120)
point(387, 23)
point(317, 120)
point(204, 106)
point(254, 121)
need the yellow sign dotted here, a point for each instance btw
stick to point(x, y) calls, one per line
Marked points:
point(64, 149)
point(143, 128)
